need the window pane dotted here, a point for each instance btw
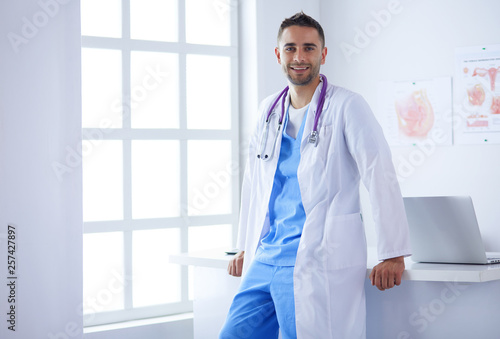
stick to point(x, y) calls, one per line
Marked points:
point(208, 92)
point(102, 180)
point(102, 18)
point(104, 283)
point(154, 20)
point(155, 90)
point(155, 280)
point(208, 22)
point(209, 177)
point(155, 178)
point(209, 237)
point(101, 88)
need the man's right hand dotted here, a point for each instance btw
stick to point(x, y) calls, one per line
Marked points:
point(235, 266)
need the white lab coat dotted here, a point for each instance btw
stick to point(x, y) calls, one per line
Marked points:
point(330, 268)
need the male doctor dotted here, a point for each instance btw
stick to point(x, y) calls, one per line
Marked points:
point(301, 235)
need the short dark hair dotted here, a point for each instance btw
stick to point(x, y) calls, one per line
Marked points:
point(304, 20)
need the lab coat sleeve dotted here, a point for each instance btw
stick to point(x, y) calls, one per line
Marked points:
point(244, 210)
point(246, 188)
point(367, 145)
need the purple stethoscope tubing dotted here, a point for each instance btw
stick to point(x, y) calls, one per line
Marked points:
point(313, 137)
point(283, 94)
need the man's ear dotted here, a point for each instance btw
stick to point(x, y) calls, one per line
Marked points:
point(324, 52)
point(278, 54)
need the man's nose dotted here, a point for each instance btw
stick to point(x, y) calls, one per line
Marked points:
point(299, 56)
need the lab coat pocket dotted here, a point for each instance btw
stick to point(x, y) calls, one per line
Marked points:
point(346, 241)
point(325, 147)
point(326, 140)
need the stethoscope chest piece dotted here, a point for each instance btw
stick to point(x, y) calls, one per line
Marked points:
point(314, 138)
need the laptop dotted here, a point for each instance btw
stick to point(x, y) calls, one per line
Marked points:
point(445, 230)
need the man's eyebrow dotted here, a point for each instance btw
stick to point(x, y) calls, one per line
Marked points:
point(292, 44)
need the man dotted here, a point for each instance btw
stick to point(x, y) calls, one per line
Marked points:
point(301, 235)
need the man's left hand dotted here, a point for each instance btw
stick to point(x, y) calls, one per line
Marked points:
point(388, 273)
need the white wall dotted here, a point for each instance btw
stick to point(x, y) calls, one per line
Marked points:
point(39, 117)
point(419, 43)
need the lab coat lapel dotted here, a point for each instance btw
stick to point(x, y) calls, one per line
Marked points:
point(311, 114)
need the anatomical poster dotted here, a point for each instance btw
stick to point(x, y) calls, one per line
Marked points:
point(477, 95)
point(416, 112)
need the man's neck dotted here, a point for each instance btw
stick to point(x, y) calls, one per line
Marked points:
point(302, 95)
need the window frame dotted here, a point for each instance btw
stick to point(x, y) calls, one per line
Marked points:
point(127, 134)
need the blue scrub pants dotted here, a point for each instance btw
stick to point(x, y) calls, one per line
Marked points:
point(263, 305)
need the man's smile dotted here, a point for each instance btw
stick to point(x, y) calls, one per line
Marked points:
point(299, 68)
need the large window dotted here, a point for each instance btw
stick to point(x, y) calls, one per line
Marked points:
point(160, 149)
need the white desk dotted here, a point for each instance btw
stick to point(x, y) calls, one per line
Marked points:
point(435, 301)
point(214, 289)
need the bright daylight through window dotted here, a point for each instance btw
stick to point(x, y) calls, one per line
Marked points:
point(160, 149)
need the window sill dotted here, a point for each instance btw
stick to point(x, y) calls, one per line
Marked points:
point(160, 326)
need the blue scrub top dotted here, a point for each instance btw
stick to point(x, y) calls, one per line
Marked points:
point(286, 212)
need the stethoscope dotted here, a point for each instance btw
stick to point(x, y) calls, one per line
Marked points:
point(313, 137)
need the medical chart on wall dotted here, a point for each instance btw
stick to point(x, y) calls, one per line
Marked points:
point(477, 95)
point(416, 112)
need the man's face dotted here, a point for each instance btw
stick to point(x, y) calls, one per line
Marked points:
point(300, 54)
